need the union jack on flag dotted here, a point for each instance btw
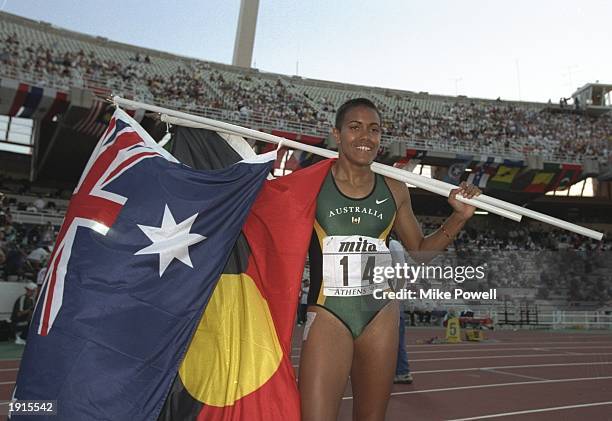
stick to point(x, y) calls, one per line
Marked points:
point(120, 148)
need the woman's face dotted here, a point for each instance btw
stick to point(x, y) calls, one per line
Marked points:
point(359, 136)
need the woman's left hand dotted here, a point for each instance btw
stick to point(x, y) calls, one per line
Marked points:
point(468, 191)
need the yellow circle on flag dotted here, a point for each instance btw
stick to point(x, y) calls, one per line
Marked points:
point(235, 349)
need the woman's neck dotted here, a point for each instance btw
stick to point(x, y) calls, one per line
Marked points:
point(345, 171)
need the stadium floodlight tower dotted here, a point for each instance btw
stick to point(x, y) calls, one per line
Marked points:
point(245, 33)
point(594, 98)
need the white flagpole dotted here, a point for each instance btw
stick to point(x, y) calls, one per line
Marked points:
point(442, 189)
point(484, 202)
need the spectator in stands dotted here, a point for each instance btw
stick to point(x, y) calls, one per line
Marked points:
point(22, 313)
point(3, 242)
point(303, 301)
point(15, 263)
point(48, 234)
point(40, 277)
point(39, 255)
point(39, 203)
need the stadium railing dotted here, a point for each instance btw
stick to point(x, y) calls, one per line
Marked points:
point(553, 319)
point(37, 218)
point(578, 319)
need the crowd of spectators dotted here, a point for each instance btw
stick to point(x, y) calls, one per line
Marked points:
point(24, 248)
point(551, 264)
point(187, 88)
point(196, 85)
point(517, 129)
point(270, 99)
point(70, 68)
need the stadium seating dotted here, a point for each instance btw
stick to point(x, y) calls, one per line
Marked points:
point(39, 53)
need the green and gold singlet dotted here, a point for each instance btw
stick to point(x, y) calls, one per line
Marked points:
point(349, 240)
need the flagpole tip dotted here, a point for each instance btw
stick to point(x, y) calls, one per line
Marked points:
point(115, 100)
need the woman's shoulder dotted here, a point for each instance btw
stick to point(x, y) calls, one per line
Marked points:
point(399, 190)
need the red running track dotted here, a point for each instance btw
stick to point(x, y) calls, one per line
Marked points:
point(514, 375)
point(522, 375)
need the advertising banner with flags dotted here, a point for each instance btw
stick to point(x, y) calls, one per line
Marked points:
point(569, 174)
point(296, 160)
point(28, 101)
point(523, 179)
point(503, 177)
point(411, 160)
point(141, 249)
point(238, 366)
point(456, 170)
point(58, 106)
point(96, 119)
point(290, 160)
point(539, 183)
point(482, 172)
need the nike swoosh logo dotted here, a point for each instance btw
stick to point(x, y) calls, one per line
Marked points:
point(378, 202)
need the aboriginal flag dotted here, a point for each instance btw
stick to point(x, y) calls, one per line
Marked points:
point(238, 365)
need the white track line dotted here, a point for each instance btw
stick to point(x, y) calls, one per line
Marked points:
point(409, 347)
point(485, 386)
point(522, 376)
point(532, 411)
point(452, 370)
point(548, 348)
point(484, 357)
point(507, 367)
point(8, 369)
point(505, 343)
point(5, 383)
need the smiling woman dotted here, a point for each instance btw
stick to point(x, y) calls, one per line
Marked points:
point(348, 330)
point(360, 141)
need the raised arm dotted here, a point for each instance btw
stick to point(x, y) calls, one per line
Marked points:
point(423, 248)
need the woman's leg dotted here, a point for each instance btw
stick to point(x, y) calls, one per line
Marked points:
point(374, 361)
point(325, 364)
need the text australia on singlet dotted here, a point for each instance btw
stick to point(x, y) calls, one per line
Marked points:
point(355, 210)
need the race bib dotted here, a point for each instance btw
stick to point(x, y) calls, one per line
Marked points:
point(349, 265)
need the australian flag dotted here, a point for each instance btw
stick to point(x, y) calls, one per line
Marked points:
point(141, 248)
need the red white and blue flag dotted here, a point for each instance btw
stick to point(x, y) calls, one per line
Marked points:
point(92, 206)
point(142, 246)
point(30, 101)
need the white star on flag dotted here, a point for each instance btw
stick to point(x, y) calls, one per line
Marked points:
point(170, 240)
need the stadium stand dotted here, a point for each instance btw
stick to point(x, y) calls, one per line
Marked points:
point(38, 53)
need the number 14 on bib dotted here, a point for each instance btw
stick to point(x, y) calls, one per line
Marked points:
point(350, 262)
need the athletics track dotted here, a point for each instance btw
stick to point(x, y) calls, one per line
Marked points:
point(513, 375)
